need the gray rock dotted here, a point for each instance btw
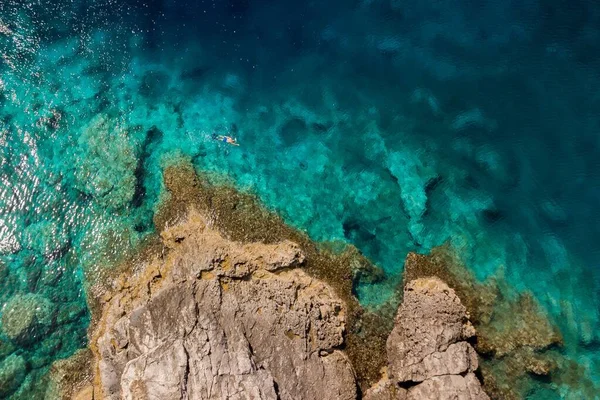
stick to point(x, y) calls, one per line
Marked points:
point(216, 319)
point(429, 322)
point(456, 359)
point(448, 387)
point(427, 344)
point(229, 322)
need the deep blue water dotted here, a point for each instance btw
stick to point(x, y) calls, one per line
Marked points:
point(394, 125)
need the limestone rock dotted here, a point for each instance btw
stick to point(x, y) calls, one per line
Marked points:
point(427, 344)
point(427, 338)
point(211, 318)
point(448, 387)
point(511, 326)
point(385, 389)
point(87, 393)
point(227, 321)
point(27, 316)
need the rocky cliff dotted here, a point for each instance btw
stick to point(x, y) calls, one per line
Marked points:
point(428, 355)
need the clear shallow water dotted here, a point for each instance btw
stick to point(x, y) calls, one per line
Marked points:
point(396, 126)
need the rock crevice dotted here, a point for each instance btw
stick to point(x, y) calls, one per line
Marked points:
point(428, 355)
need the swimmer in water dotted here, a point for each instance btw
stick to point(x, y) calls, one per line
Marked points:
point(226, 139)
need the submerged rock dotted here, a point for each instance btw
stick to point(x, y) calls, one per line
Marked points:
point(26, 317)
point(6, 348)
point(414, 177)
point(3, 272)
point(105, 162)
point(12, 373)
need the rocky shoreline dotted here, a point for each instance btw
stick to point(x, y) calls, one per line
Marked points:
point(228, 302)
point(215, 319)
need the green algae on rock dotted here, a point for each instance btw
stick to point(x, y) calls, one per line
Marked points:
point(107, 170)
point(12, 372)
point(26, 317)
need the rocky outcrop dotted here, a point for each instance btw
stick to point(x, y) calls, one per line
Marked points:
point(428, 337)
point(221, 320)
point(512, 330)
point(228, 302)
point(427, 345)
point(210, 318)
point(428, 357)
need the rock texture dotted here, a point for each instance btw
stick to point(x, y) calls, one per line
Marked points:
point(220, 320)
point(512, 329)
point(427, 346)
point(12, 372)
point(211, 318)
point(427, 339)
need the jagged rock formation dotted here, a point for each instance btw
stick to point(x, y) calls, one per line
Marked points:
point(217, 319)
point(220, 320)
point(428, 337)
point(230, 303)
point(512, 331)
point(193, 302)
point(428, 357)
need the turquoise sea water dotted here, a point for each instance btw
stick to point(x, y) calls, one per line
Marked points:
point(393, 125)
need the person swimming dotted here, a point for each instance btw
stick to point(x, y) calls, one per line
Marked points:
point(225, 139)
